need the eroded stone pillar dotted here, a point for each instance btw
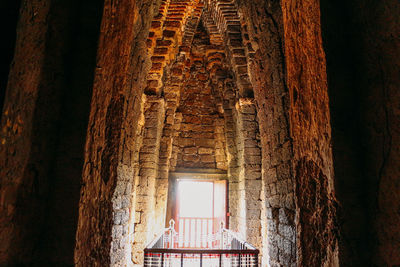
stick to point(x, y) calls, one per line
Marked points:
point(145, 208)
point(236, 197)
point(250, 171)
point(109, 169)
point(172, 92)
point(310, 130)
point(267, 73)
point(19, 173)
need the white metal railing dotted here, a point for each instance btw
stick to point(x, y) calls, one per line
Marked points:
point(226, 250)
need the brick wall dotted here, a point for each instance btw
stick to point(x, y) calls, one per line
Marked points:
point(109, 166)
point(43, 130)
point(145, 189)
point(199, 64)
point(197, 140)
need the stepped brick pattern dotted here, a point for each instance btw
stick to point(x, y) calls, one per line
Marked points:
point(294, 103)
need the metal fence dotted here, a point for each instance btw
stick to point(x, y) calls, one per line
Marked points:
point(227, 250)
point(195, 232)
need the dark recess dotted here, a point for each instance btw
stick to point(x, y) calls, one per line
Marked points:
point(9, 10)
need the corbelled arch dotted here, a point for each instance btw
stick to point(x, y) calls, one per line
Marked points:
point(247, 188)
point(62, 53)
point(171, 32)
point(223, 18)
point(169, 41)
point(264, 189)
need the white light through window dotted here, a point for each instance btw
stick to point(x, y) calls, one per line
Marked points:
point(195, 199)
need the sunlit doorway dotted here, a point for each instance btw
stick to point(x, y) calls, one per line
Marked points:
point(201, 209)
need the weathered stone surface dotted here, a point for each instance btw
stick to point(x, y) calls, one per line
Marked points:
point(317, 215)
point(363, 64)
point(115, 110)
point(45, 120)
point(17, 131)
point(309, 120)
point(145, 188)
point(200, 64)
point(267, 77)
point(197, 134)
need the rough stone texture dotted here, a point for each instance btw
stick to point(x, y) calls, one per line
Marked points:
point(316, 207)
point(265, 28)
point(46, 107)
point(275, 148)
point(167, 36)
point(145, 228)
point(17, 130)
point(201, 136)
point(309, 125)
point(197, 139)
point(235, 195)
point(165, 50)
point(362, 46)
point(222, 17)
point(109, 161)
point(172, 122)
point(249, 186)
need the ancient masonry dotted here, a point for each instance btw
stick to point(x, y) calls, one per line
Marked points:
point(294, 103)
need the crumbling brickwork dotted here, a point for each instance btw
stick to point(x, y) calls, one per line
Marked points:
point(249, 154)
point(166, 36)
point(145, 207)
point(272, 98)
point(109, 161)
point(44, 130)
point(233, 87)
point(197, 138)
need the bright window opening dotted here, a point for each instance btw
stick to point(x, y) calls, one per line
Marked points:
point(201, 207)
point(195, 199)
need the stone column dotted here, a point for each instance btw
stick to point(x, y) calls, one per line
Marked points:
point(29, 130)
point(172, 90)
point(232, 157)
point(250, 171)
point(108, 172)
point(144, 229)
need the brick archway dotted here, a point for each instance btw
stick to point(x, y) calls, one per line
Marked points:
point(246, 71)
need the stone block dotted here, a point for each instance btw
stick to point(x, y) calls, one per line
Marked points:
point(190, 150)
point(203, 150)
point(207, 158)
point(205, 143)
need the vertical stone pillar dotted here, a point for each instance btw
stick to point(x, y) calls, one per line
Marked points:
point(33, 130)
point(232, 158)
point(310, 129)
point(165, 156)
point(124, 204)
point(267, 76)
point(20, 177)
point(175, 149)
point(172, 90)
point(102, 237)
point(144, 229)
point(171, 197)
point(250, 171)
point(220, 144)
